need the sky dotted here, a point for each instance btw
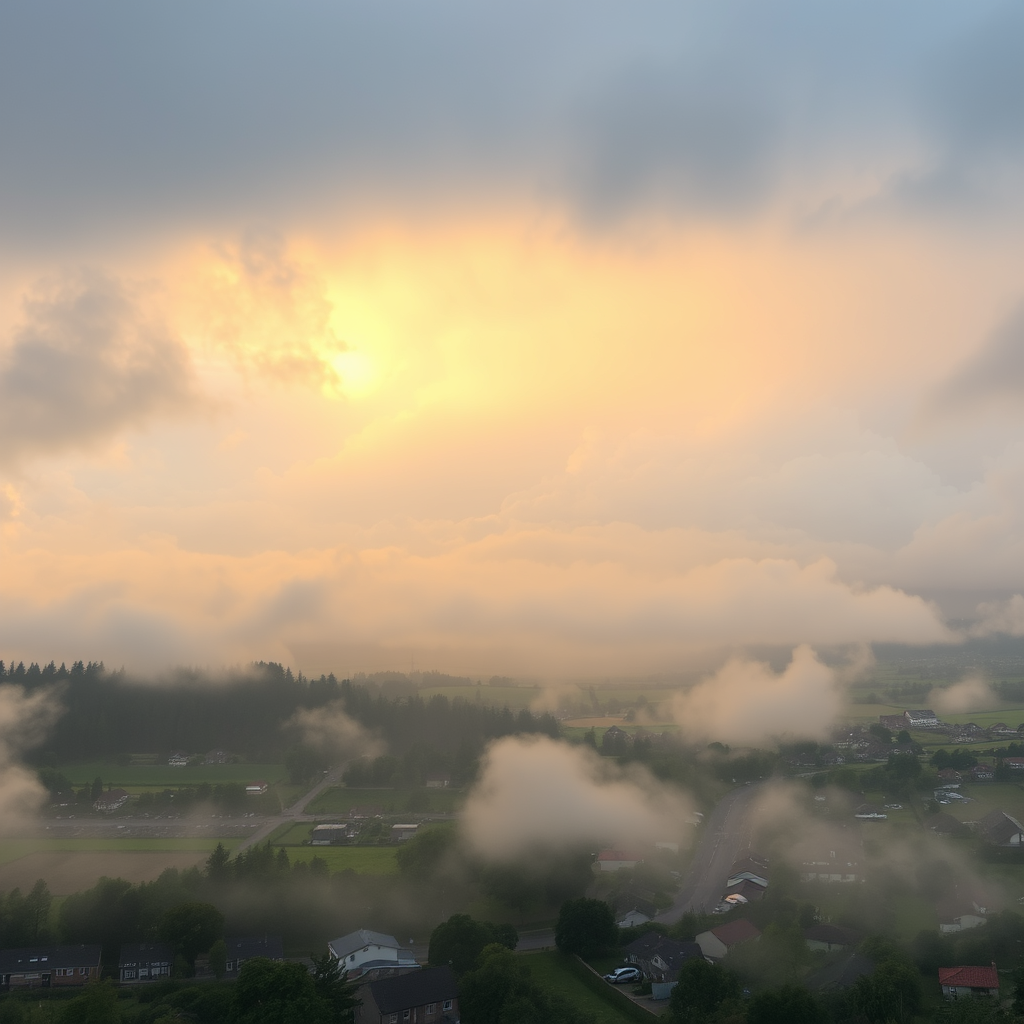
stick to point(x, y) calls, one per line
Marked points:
point(574, 342)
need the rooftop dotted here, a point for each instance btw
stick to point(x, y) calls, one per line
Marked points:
point(429, 985)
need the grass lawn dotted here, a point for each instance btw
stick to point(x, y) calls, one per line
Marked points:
point(549, 972)
point(292, 835)
point(993, 796)
point(163, 776)
point(364, 860)
point(12, 849)
point(339, 799)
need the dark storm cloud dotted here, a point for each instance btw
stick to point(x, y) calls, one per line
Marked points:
point(188, 114)
point(86, 362)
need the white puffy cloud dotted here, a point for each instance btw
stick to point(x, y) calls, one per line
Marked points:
point(745, 702)
point(536, 794)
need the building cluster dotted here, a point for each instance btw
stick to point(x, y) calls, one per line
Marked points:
point(70, 966)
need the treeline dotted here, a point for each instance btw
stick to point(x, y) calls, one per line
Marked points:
point(109, 715)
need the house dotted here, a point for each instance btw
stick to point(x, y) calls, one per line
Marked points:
point(835, 857)
point(329, 835)
point(423, 997)
point(982, 773)
point(964, 982)
point(924, 719)
point(399, 833)
point(178, 759)
point(954, 917)
point(969, 733)
point(870, 812)
point(660, 957)
point(945, 825)
point(365, 950)
point(1001, 829)
point(716, 942)
point(830, 937)
point(112, 800)
point(49, 966)
point(267, 947)
point(615, 741)
point(750, 890)
point(615, 860)
point(631, 910)
point(1014, 763)
point(1002, 729)
point(216, 757)
point(950, 777)
point(753, 868)
point(257, 788)
point(436, 781)
point(144, 961)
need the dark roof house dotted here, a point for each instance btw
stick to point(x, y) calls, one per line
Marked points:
point(48, 966)
point(144, 961)
point(660, 957)
point(1001, 829)
point(429, 995)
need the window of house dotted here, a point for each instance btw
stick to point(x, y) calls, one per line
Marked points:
point(431, 1007)
point(447, 1005)
point(129, 974)
point(406, 1014)
point(82, 970)
point(393, 1019)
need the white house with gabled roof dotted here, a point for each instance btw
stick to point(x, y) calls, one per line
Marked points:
point(364, 950)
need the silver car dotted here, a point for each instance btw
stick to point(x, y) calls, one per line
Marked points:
point(623, 974)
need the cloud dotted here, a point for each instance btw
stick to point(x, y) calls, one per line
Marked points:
point(25, 719)
point(745, 702)
point(332, 731)
point(1000, 617)
point(693, 109)
point(267, 310)
point(971, 694)
point(537, 794)
point(992, 378)
point(88, 361)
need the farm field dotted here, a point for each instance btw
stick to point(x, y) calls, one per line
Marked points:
point(364, 860)
point(340, 799)
point(70, 865)
point(13, 849)
point(549, 972)
point(162, 776)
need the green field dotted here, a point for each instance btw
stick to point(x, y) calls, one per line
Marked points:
point(292, 835)
point(12, 849)
point(364, 860)
point(549, 972)
point(339, 800)
point(162, 776)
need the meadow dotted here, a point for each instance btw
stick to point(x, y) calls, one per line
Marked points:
point(71, 864)
point(364, 860)
point(550, 973)
point(340, 799)
point(136, 778)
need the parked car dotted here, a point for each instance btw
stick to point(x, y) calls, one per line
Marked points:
point(623, 974)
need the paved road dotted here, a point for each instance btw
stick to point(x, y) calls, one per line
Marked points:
point(726, 835)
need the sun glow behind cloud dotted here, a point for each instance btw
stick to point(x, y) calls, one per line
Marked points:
point(514, 375)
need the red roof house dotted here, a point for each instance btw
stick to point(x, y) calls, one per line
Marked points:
point(959, 982)
point(613, 860)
